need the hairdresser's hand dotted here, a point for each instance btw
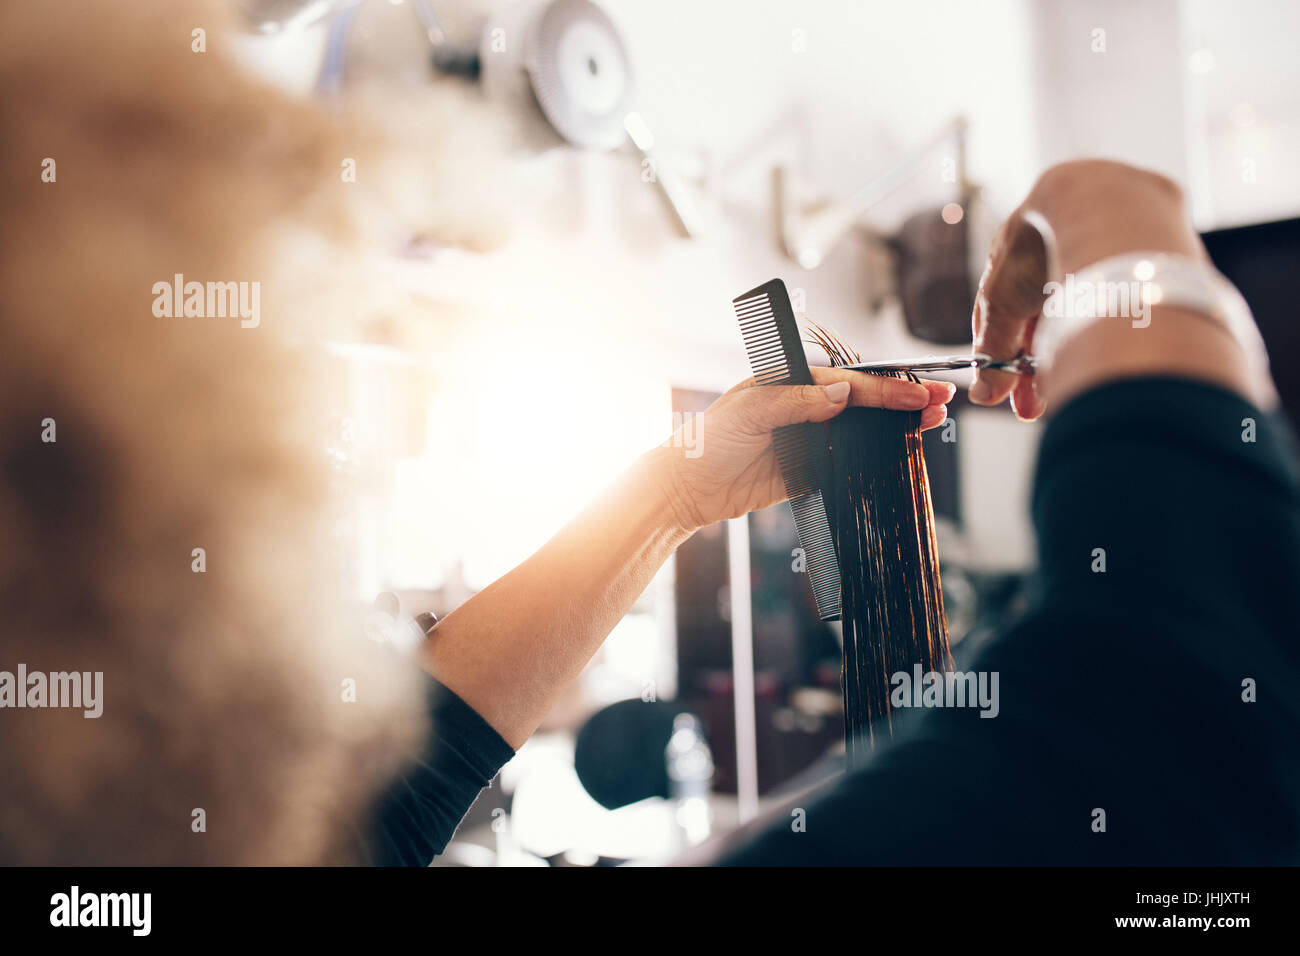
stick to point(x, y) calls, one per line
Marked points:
point(721, 465)
point(1076, 214)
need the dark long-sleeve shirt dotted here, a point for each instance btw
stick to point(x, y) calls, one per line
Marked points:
point(1157, 698)
point(419, 813)
point(1147, 712)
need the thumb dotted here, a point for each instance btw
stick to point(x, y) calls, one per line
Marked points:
point(772, 406)
point(1009, 299)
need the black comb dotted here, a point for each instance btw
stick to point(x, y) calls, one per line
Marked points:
point(776, 357)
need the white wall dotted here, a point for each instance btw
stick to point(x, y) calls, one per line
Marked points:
point(1244, 108)
point(596, 294)
point(1206, 92)
point(1108, 82)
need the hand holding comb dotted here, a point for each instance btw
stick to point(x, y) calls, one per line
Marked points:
point(776, 357)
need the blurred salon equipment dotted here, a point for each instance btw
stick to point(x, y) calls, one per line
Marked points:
point(559, 66)
point(278, 16)
point(619, 752)
point(565, 60)
point(935, 257)
point(386, 622)
point(635, 749)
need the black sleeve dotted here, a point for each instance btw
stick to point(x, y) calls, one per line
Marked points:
point(418, 814)
point(1158, 688)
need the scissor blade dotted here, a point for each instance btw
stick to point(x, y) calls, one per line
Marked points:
point(1021, 365)
point(930, 363)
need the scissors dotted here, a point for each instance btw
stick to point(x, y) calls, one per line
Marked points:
point(1021, 364)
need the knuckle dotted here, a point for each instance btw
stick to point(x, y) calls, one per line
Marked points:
point(1167, 187)
point(748, 409)
point(808, 394)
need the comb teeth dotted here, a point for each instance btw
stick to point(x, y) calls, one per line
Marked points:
point(819, 553)
point(767, 338)
point(776, 357)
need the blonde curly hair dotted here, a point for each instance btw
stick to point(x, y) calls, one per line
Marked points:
point(222, 689)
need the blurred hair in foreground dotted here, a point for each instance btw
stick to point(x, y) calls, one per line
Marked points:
point(222, 689)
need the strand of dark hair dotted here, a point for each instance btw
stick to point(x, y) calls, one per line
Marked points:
point(891, 595)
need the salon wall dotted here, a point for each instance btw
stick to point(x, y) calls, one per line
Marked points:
point(603, 306)
point(1206, 92)
point(599, 306)
point(834, 93)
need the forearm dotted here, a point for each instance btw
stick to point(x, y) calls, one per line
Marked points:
point(510, 650)
point(1177, 344)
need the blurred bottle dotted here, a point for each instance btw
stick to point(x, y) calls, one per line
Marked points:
point(690, 773)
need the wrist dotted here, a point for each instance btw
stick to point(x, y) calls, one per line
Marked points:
point(1130, 286)
point(674, 513)
point(1178, 344)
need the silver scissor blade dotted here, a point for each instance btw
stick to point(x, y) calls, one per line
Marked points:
point(1021, 364)
point(931, 363)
